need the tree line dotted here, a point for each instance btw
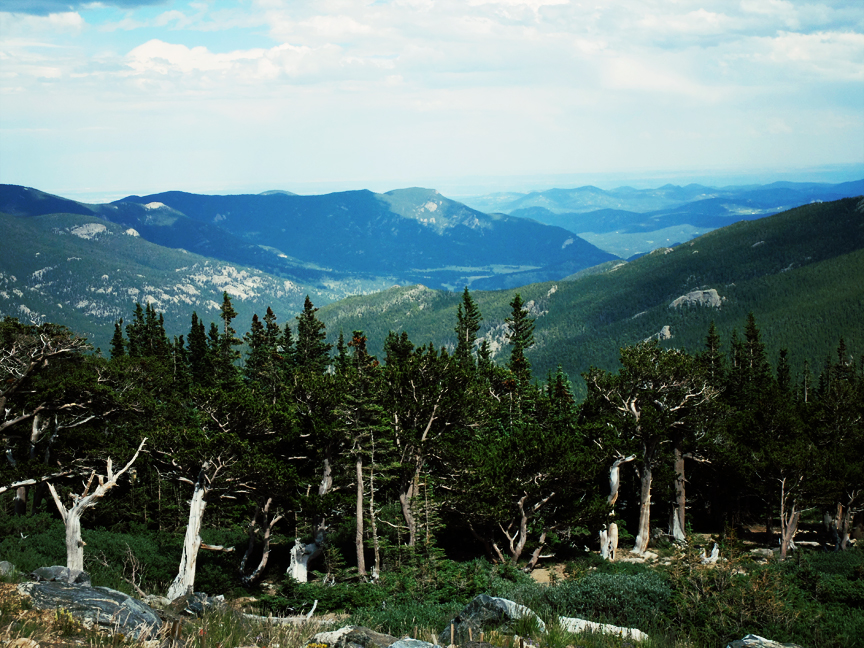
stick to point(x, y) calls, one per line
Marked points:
point(363, 460)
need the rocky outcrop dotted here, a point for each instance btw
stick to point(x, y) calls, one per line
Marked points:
point(352, 637)
point(755, 641)
point(665, 333)
point(483, 614)
point(96, 607)
point(699, 298)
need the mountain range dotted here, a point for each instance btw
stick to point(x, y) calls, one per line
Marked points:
point(86, 265)
point(628, 222)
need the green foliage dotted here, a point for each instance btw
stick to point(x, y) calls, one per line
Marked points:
point(630, 600)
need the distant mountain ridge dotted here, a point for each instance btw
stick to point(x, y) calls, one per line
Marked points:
point(413, 234)
point(627, 221)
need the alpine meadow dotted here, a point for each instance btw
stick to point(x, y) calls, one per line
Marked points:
point(431, 324)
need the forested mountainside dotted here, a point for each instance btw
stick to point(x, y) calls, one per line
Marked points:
point(87, 273)
point(798, 272)
point(364, 472)
point(350, 238)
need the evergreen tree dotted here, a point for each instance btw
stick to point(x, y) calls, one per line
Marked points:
point(226, 355)
point(312, 351)
point(135, 332)
point(118, 342)
point(521, 338)
point(468, 320)
point(198, 353)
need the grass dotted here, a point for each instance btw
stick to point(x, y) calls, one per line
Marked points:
point(814, 599)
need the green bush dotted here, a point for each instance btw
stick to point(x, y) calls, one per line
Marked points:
point(632, 600)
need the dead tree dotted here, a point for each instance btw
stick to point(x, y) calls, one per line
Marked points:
point(267, 528)
point(208, 474)
point(80, 503)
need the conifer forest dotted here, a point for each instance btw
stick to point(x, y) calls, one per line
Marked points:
point(270, 461)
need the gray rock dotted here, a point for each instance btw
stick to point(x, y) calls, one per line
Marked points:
point(755, 641)
point(99, 607)
point(699, 298)
point(483, 614)
point(414, 643)
point(353, 637)
point(572, 624)
point(61, 574)
point(195, 603)
point(6, 568)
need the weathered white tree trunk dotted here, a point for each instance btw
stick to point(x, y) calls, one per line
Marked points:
point(358, 540)
point(301, 554)
point(679, 511)
point(184, 582)
point(376, 570)
point(609, 542)
point(615, 478)
point(644, 533)
point(80, 503)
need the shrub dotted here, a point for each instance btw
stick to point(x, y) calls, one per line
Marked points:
point(632, 600)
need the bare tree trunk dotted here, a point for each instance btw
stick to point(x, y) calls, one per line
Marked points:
point(615, 478)
point(265, 550)
point(406, 499)
point(376, 570)
point(609, 542)
point(302, 554)
point(535, 556)
point(184, 582)
point(678, 519)
point(358, 540)
point(72, 516)
point(788, 518)
point(644, 510)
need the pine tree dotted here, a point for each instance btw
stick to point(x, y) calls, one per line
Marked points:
point(135, 332)
point(226, 354)
point(258, 354)
point(118, 342)
point(200, 365)
point(468, 320)
point(312, 351)
point(711, 359)
point(521, 338)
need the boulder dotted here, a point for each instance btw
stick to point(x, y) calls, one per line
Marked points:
point(194, 604)
point(417, 643)
point(61, 574)
point(96, 607)
point(755, 641)
point(483, 614)
point(571, 624)
point(6, 568)
point(351, 637)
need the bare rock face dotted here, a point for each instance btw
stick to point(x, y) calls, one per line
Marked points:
point(699, 298)
point(483, 614)
point(755, 641)
point(100, 607)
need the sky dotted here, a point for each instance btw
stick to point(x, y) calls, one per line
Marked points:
point(103, 99)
